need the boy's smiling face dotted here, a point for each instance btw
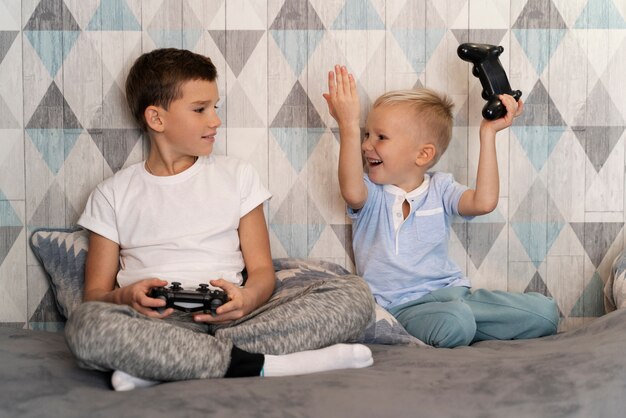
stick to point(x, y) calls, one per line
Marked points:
point(190, 123)
point(391, 147)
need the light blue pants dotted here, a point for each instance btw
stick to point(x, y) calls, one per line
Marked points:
point(456, 316)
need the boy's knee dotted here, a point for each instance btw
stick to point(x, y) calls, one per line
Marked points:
point(452, 326)
point(358, 292)
point(546, 315)
point(83, 327)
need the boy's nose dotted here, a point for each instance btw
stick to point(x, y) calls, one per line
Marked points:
point(214, 120)
point(366, 145)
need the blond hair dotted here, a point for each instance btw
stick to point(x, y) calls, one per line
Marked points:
point(432, 109)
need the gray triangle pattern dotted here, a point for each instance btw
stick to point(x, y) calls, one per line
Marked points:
point(344, 233)
point(246, 115)
point(478, 238)
point(7, 121)
point(297, 15)
point(416, 14)
point(236, 46)
point(52, 15)
point(540, 14)
point(53, 112)
point(291, 114)
point(537, 206)
point(6, 41)
point(539, 109)
point(47, 310)
point(285, 211)
point(479, 36)
point(115, 144)
point(599, 109)
point(111, 114)
point(461, 117)
point(8, 235)
point(53, 210)
point(598, 142)
point(596, 237)
point(537, 285)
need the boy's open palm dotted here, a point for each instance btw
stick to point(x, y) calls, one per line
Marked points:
point(342, 97)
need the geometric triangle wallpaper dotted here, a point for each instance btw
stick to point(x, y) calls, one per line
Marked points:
point(559, 224)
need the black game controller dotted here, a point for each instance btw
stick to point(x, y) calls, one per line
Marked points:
point(201, 299)
point(488, 69)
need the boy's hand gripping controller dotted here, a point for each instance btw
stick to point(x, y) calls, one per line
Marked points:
point(201, 299)
point(488, 69)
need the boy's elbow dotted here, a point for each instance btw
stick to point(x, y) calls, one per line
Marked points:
point(487, 207)
point(353, 200)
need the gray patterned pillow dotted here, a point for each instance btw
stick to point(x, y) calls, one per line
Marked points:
point(384, 328)
point(62, 254)
point(615, 287)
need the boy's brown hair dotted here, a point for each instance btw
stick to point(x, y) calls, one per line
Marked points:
point(156, 77)
point(432, 109)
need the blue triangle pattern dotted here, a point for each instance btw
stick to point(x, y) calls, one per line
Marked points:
point(292, 44)
point(54, 145)
point(600, 14)
point(313, 138)
point(164, 38)
point(289, 140)
point(538, 142)
point(292, 237)
point(537, 238)
point(492, 217)
point(358, 15)
point(591, 301)
point(314, 233)
point(52, 47)
point(113, 15)
point(418, 45)
point(8, 217)
point(539, 44)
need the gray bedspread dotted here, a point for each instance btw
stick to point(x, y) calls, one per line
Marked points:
point(581, 373)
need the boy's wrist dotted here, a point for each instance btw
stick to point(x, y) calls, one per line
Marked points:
point(487, 132)
point(351, 128)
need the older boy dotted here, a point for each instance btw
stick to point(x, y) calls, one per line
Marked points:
point(189, 216)
point(401, 217)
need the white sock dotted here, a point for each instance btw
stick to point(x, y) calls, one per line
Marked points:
point(338, 356)
point(122, 381)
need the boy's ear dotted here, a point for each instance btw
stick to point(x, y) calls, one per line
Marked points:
point(153, 118)
point(426, 155)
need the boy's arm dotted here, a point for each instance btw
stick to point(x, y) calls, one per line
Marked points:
point(484, 198)
point(100, 276)
point(343, 104)
point(255, 246)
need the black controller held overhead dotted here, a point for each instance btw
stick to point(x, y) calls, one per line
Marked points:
point(488, 69)
point(201, 299)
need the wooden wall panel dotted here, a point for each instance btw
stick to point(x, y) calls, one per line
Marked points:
point(559, 221)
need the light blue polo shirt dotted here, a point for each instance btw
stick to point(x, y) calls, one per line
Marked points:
point(405, 259)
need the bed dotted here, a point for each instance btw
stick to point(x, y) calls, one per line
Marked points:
point(579, 373)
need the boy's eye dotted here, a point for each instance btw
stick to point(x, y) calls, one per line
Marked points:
point(199, 110)
point(366, 135)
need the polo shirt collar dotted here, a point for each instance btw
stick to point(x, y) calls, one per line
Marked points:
point(397, 191)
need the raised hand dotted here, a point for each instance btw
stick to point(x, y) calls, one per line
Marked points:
point(342, 97)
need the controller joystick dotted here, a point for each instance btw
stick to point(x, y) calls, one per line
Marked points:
point(202, 299)
point(488, 69)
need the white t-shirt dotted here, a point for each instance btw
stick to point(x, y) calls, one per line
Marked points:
point(178, 228)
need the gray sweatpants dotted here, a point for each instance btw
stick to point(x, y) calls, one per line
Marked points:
point(317, 314)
